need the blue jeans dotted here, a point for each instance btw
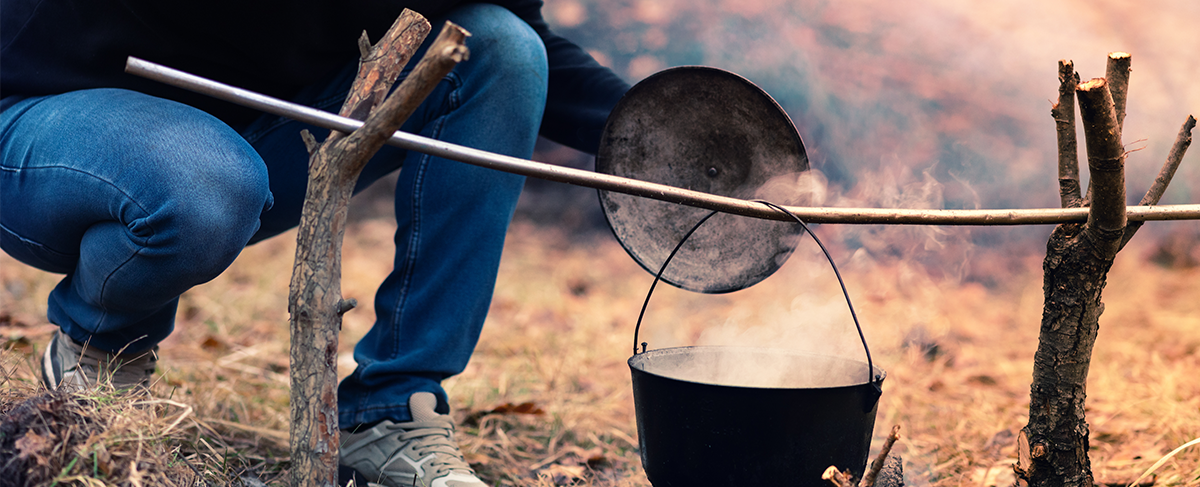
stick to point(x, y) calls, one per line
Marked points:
point(137, 199)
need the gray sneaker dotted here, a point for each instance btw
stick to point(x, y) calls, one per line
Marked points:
point(419, 453)
point(69, 364)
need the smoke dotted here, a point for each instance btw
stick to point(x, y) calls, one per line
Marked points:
point(937, 104)
point(753, 367)
point(809, 188)
point(957, 92)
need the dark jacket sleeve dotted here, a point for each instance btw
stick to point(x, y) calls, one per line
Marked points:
point(581, 91)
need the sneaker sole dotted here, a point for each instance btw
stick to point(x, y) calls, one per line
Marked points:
point(49, 363)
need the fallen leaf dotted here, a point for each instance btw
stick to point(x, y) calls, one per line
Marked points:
point(598, 462)
point(982, 379)
point(32, 446)
point(563, 474)
point(523, 408)
point(212, 343)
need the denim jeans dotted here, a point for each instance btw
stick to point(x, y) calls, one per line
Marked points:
point(137, 199)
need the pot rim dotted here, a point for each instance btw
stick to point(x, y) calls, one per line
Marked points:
point(638, 363)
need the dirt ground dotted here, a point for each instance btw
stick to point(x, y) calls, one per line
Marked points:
point(546, 399)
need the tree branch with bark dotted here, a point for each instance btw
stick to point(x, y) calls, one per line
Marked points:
point(1052, 449)
point(315, 302)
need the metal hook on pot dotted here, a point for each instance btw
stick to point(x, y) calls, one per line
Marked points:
point(871, 378)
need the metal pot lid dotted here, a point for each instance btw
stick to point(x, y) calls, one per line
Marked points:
point(708, 130)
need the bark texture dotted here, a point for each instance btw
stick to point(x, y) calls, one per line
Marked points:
point(1068, 143)
point(1116, 73)
point(315, 301)
point(1052, 449)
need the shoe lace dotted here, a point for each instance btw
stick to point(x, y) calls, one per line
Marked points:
point(127, 368)
point(435, 436)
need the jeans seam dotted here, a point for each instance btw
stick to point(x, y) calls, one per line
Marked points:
point(418, 182)
point(142, 241)
point(34, 243)
point(410, 257)
point(98, 178)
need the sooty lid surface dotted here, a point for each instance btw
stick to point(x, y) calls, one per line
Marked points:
point(708, 130)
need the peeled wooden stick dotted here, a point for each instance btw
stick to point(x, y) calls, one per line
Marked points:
point(1068, 142)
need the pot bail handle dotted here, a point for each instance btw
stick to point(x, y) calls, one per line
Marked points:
point(871, 378)
point(658, 277)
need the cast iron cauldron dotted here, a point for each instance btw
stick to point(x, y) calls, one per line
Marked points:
point(780, 420)
point(726, 416)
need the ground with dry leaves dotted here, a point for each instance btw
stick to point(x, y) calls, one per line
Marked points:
point(547, 400)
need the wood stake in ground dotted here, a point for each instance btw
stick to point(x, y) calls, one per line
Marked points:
point(315, 300)
point(1052, 449)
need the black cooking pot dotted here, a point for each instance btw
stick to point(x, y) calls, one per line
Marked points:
point(734, 416)
point(727, 416)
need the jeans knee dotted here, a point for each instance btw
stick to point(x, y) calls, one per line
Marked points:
point(214, 190)
point(214, 222)
point(502, 44)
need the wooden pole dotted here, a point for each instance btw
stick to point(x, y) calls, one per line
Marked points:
point(1052, 449)
point(315, 302)
point(661, 192)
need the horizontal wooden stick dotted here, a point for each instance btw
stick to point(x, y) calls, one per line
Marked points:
point(1037, 216)
point(580, 177)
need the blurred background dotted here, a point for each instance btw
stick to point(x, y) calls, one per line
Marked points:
point(922, 104)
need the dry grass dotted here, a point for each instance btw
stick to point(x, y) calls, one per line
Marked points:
point(547, 401)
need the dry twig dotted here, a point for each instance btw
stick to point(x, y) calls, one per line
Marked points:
point(868, 479)
point(836, 477)
point(1154, 194)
